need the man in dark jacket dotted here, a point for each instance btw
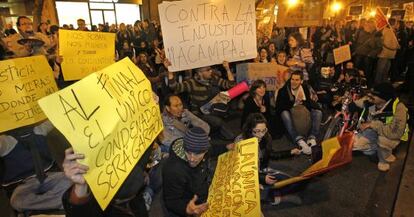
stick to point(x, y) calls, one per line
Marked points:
point(127, 202)
point(186, 175)
point(295, 93)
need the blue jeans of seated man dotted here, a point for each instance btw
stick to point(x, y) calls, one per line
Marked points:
point(316, 118)
point(370, 137)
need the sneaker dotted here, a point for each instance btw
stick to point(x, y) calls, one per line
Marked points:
point(311, 142)
point(384, 167)
point(391, 158)
point(276, 201)
point(148, 199)
point(360, 144)
point(304, 147)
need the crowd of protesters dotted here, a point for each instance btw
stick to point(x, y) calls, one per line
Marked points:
point(180, 158)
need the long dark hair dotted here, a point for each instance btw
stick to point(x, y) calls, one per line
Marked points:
point(251, 122)
point(266, 143)
point(256, 84)
point(299, 39)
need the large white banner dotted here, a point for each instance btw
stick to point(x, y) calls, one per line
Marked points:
point(200, 33)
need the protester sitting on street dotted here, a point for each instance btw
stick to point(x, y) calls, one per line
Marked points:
point(256, 126)
point(202, 88)
point(177, 121)
point(257, 102)
point(296, 93)
point(26, 174)
point(386, 125)
point(78, 201)
point(187, 175)
point(323, 85)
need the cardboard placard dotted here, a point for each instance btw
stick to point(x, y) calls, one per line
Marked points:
point(85, 52)
point(306, 13)
point(22, 82)
point(234, 190)
point(197, 33)
point(355, 10)
point(272, 74)
point(342, 54)
point(111, 117)
point(398, 14)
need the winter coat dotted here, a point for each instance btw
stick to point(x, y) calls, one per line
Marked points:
point(285, 99)
point(182, 182)
point(389, 44)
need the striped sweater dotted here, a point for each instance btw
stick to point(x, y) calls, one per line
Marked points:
point(200, 91)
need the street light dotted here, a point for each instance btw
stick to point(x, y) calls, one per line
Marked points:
point(292, 3)
point(336, 6)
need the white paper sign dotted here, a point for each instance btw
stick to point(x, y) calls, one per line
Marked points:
point(199, 33)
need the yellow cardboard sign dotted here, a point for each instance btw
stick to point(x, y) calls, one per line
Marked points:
point(342, 54)
point(112, 118)
point(85, 52)
point(235, 187)
point(22, 82)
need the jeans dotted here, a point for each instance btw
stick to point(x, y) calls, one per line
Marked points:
point(24, 197)
point(370, 137)
point(316, 118)
point(382, 72)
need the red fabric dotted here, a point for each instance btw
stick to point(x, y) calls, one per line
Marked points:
point(380, 19)
point(341, 157)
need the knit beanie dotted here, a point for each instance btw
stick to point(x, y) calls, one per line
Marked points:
point(196, 140)
point(384, 91)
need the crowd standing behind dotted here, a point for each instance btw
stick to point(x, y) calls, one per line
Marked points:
point(378, 57)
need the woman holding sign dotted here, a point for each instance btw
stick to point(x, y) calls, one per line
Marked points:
point(256, 126)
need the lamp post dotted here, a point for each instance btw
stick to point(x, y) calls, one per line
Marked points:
point(336, 7)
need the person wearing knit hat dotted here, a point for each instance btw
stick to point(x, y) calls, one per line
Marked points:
point(196, 144)
point(384, 91)
point(385, 127)
point(186, 174)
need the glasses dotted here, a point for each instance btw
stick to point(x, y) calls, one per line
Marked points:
point(257, 131)
point(26, 24)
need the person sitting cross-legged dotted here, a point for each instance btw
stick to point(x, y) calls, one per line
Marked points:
point(295, 93)
point(177, 120)
point(202, 88)
point(386, 126)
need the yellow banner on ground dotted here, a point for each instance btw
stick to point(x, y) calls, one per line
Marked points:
point(22, 82)
point(235, 187)
point(112, 118)
point(85, 52)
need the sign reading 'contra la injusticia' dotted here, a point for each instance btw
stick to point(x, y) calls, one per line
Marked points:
point(197, 33)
